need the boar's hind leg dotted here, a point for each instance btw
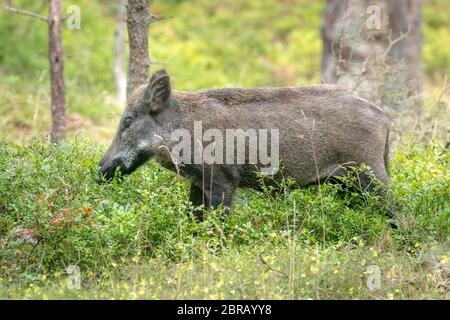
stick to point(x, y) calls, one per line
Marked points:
point(335, 173)
point(368, 183)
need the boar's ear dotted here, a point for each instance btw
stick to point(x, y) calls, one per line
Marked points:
point(157, 93)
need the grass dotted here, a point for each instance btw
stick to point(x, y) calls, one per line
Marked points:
point(338, 272)
point(135, 239)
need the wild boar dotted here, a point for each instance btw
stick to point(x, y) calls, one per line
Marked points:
point(319, 130)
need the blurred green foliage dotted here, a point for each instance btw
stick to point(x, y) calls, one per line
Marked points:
point(204, 44)
point(436, 31)
point(88, 52)
point(239, 43)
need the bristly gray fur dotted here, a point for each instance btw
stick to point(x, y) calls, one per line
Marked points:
point(321, 129)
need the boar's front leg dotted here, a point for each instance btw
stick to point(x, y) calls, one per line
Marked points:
point(197, 199)
point(211, 198)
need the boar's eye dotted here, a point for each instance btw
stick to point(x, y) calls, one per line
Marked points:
point(128, 121)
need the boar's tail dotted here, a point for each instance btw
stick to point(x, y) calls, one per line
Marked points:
point(386, 154)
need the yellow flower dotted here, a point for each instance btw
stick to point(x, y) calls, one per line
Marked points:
point(336, 271)
point(444, 260)
point(314, 269)
point(214, 266)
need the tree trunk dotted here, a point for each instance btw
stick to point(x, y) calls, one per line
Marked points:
point(406, 16)
point(56, 58)
point(380, 63)
point(334, 14)
point(139, 62)
point(120, 78)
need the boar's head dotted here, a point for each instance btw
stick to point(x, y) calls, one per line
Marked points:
point(138, 134)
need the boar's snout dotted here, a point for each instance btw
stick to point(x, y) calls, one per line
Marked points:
point(107, 168)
